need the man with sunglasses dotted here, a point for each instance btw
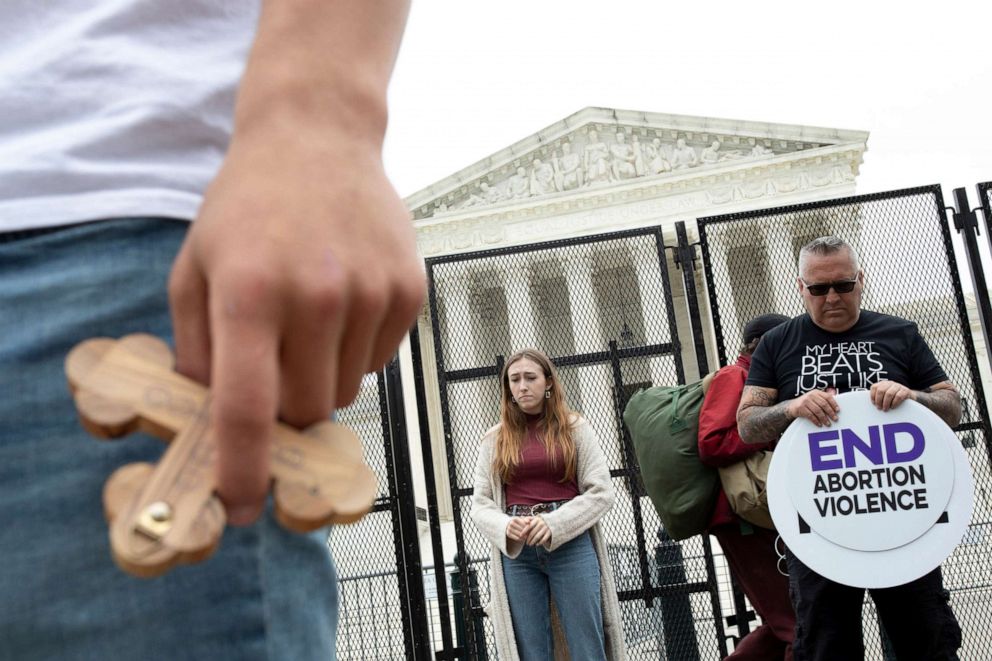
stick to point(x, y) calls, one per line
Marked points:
point(796, 371)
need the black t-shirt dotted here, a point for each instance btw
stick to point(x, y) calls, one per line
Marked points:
point(799, 356)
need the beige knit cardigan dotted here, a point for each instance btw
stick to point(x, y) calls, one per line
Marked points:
point(596, 496)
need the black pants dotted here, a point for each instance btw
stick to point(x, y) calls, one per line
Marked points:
point(917, 617)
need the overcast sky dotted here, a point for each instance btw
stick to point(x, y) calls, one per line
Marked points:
point(474, 77)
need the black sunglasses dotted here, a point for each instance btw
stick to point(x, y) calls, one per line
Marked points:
point(823, 288)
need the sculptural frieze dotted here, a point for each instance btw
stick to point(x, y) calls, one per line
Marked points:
point(592, 158)
point(654, 155)
point(596, 161)
point(714, 154)
point(684, 156)
point(542, 178)
point(628, 162)
point(759, 150)
point(519, 184)
point(568, 169)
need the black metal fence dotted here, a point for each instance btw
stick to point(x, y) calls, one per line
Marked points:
point(985, 202)
point(382, 612)
point(985, 199)
point(602, 307)
point(617, 312)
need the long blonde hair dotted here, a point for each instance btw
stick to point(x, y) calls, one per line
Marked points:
point(556, 427)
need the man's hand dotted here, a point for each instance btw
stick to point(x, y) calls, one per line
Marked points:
point(299, 276)
point(761, 420)
point(886, 395)
point(818, 406)
point(300, 273)
point(518, 527)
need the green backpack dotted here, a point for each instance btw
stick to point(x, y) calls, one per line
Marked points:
point(663, 423)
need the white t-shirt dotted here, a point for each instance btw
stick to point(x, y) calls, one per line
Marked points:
point(115, 108)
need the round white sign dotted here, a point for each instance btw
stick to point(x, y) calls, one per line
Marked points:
point(875, 499)
point(868, 481)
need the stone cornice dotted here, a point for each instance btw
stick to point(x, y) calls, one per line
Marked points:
point(785, 179)
point(736, 138)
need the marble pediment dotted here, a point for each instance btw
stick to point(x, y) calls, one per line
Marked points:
point(599, 148)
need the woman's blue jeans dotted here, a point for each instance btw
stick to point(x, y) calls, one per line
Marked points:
point(265, 594)
point(569, 574)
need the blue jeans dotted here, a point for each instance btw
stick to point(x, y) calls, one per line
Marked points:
point(570, 574)
point(265, 594)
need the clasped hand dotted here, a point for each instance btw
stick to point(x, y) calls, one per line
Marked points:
point(820, 406)
point(531, 530)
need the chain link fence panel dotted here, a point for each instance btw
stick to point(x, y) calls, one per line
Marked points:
point(904, 244)
point(601, 307)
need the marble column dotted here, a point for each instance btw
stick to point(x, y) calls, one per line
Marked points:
point(783, 290)
point(596, 381)
point(467, 400)
point(654, 308)
point(434, 418)
point(586, 327)
point(519, 305)
point(458, 339)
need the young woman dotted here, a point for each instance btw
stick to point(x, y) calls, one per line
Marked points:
point(541, 487)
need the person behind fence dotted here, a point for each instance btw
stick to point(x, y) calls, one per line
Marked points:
point(748, 548)
point(541, 487)
point(795, 372)
point(120, 122)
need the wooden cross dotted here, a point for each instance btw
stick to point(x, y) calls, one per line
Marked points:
point(168, 513)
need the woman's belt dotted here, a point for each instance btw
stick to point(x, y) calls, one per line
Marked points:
point(538, 508)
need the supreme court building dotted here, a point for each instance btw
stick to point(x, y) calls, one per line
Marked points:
point(631, 247)
point(606, 170)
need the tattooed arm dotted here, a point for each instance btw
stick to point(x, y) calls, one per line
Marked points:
point(941, 398)
point(761, 420)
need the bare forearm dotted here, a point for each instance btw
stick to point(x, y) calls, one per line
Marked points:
point(759, 418)
point(763, 424)
point(946, 403)
point(321, 62)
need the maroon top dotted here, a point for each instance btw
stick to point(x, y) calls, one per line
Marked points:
point(534, 480)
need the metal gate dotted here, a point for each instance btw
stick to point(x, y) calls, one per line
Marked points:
point(904, 242)
point(381, 612)
point(985, 200)
point(602, 308)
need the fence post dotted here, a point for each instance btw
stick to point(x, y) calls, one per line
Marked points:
point(743, 616)
point(458, 601)
point(459, 593)
point(437, 551)
point(473, 600)
point(966, 223)
point(685, 260)
point(676, 609)
point(413, 603)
